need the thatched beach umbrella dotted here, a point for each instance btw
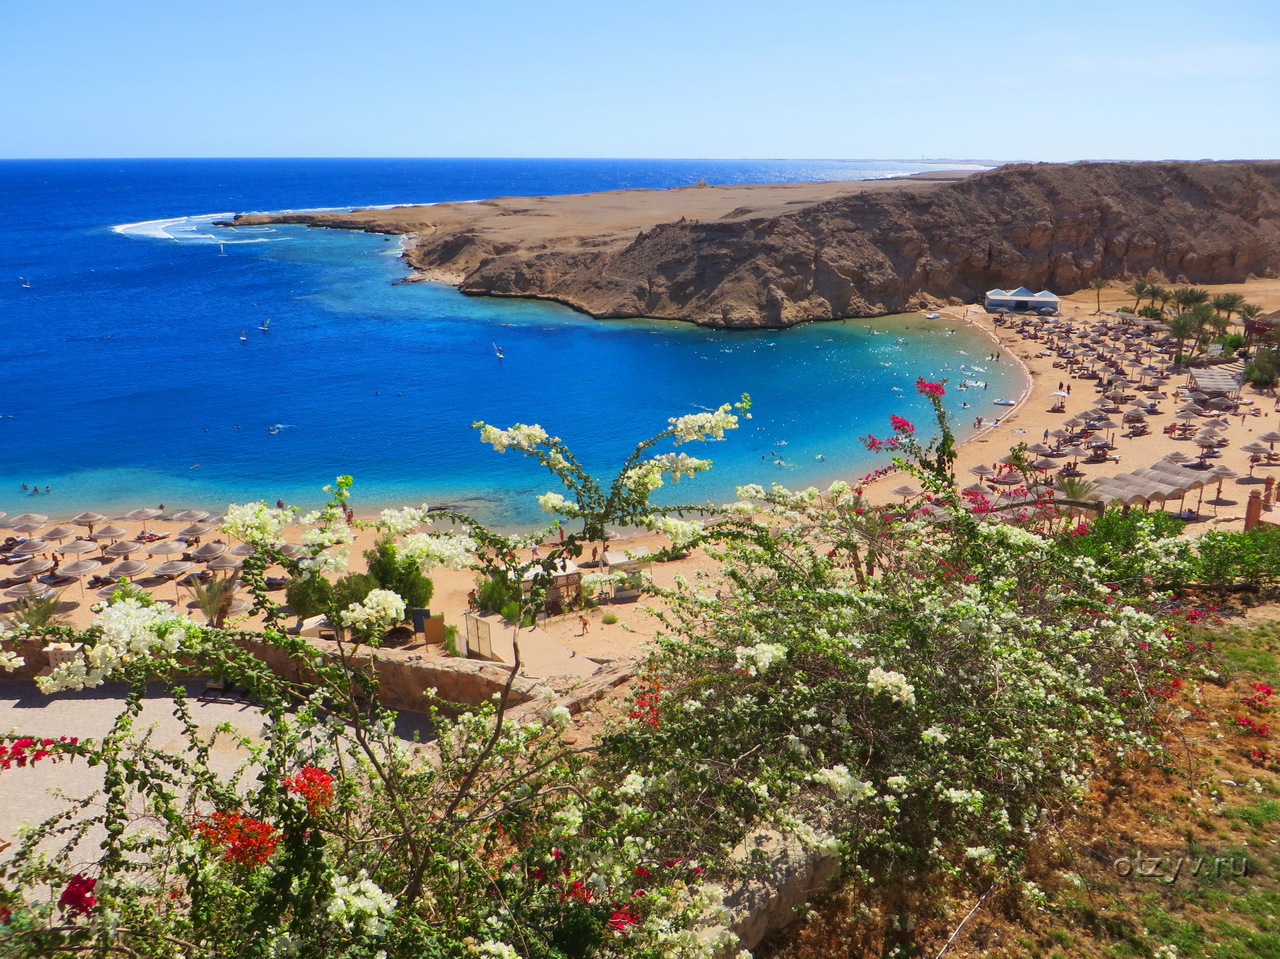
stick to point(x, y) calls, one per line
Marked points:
point(129, 568)
point(26, 528)
point(190, 516)
point(1271, 436)
point(32, 567)
point(29, 591)
point(57, 533)
point(905, 491)
point(122, 549)
point(88, 519)
point(225, 562)
point(166, 547)
point(111, 532)
point(23, 518)
point(981, 470)
point(208, 551)
point(195, 530)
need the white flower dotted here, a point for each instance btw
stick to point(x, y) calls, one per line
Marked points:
point(559, 716)
point(757, 659)
point(429, 550)
point(358, 905)
point(397, 522)
point(683, 533)
point(892, 684)
point(843, 783)
point(380, 608)
point(701, 426)
point(897, 783)
point(128, 631)
point(521, 436)
point(633, 785)
point(9, 660)
point(557, 504)
point(497, 950)
point(257, 524)
point(934, 735)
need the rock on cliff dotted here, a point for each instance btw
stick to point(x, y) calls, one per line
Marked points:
point(874, 251)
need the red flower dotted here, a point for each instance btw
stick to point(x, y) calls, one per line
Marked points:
point(901, 426)
point(244, 840)
point(925, 388)
point(314, 785)
point(78, 897)
point(622, 919)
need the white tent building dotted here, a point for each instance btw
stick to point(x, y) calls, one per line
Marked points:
point(1021, 300)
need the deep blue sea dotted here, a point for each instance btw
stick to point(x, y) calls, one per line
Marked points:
point(135, 371)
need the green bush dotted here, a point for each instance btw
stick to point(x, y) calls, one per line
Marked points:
point(309, 597)
point(400, 574)
point(608, 619)
point(493, 594)
point(1130, 545)
point(1250, 558)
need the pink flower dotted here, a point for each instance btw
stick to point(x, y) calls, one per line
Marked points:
point(925, 388)
point(901, 426)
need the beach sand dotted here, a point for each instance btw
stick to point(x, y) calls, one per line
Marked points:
point(1026, 423)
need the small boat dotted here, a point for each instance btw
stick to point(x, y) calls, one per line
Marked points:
point(932, 316)
point(498, 351)
point(266, 325)
point(221, 250)
point(1004, 402)
point(242, 335)
point(25, 282)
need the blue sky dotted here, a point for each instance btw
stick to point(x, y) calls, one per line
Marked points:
point(805, 79)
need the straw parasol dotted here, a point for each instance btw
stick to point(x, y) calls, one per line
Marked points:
point(88, 519)
point(195, 529)
point(26, 528)
point(23, 518)
point(129, 568)
point(111, 532)
point(32, 590)
point(58, 533)
point(32, 567)
point(981, 470)
point(122, 549)
point(225, 562)
point(166, 547)
point(208, 551)
point(905, 491)
point(190, 516)
point(29, 548)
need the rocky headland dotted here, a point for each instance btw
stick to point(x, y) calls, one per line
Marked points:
point(771, 255)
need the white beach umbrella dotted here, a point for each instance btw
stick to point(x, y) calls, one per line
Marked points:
point(77, 546)
point(22, 518)
point(29, 548)
point(111, 532)
point(190, 516)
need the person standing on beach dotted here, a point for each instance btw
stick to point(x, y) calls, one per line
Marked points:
point(586, 626)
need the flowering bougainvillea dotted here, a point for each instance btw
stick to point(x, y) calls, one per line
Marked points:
point(244, 841)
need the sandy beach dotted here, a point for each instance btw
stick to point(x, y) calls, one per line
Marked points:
point(1027, 422)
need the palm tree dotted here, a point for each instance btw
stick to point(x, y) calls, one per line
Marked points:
point(1248, 312)
point(1138, 289)
point(1182, 328)
point(1228, 303)
point(1098, 284)
point(1161, 293)
point(1185, 297)
point(1202, 315)
point(214, 597)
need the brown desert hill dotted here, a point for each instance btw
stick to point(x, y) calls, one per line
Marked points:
point(775, 255)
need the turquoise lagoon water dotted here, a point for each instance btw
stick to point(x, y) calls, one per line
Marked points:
point(137, 372)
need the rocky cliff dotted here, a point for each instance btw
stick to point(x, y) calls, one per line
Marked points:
point(860, 249)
